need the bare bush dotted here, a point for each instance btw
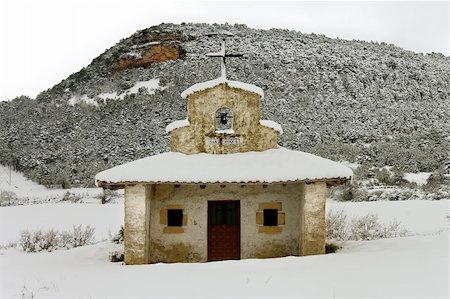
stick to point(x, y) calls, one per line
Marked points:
point(82, 236)
point(26, 241)
point(394, 229)
point(366, 227)
point(65, 239)
point(50, 240)
point(369, 228)
point(336, 225)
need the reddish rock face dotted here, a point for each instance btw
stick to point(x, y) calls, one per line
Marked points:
point(154, 49)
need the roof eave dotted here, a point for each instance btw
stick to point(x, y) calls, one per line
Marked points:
point(121, 185)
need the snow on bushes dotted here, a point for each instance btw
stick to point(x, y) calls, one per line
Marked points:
point(367, 227)
point(359, 192)
point(7, 198)
point(38, 240)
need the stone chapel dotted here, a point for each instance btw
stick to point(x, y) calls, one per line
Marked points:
point(226, 190)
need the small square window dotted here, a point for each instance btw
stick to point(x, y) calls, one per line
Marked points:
point(270, 217)
point(175, 217)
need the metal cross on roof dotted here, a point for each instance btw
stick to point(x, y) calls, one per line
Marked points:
point(223, 55)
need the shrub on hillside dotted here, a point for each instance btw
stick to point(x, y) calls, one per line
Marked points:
point(436, 182)
point(439, 195)
point(395, 194)
point(350, 192)
point(7, 198)
point(362, 172)
point(390, 177)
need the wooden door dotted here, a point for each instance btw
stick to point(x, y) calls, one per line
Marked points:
point(224, 230)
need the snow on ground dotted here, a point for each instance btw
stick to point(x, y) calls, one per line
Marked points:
point(412, 267)
point(31, 192)
point(13, 180)
point(419, 178)
point(151, 85)
point(106, 218)
point(82, 99)
point(417, 216)
point(56, 195)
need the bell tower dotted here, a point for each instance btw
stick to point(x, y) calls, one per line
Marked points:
point(223, 117)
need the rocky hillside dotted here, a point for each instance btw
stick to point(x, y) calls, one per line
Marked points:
point(370, 103)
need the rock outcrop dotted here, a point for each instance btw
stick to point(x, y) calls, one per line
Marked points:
point(154, 48)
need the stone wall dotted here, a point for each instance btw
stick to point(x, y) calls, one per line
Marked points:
point(301, 218)
point(190, 244)
point(137, 229)
point(202, 107)
point(313, 220)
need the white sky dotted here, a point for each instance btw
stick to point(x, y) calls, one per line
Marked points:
point(43, 42)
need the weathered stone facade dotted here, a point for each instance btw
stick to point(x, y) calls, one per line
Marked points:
point(137, 229)
point(148, 239)
point(312, 226)
point(202, 107)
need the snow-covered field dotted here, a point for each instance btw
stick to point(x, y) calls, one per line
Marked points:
point(417, 216)
point(31, 192)
point(411, 267)
point(106, 219)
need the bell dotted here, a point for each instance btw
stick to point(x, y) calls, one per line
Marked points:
point(223, 118)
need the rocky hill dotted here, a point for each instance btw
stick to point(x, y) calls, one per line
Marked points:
point(370, 103)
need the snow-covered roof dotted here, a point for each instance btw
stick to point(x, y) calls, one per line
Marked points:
point(184, 123)
point(271, 124)
point(270, 166)
point(222, 80)
point(177, 124)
